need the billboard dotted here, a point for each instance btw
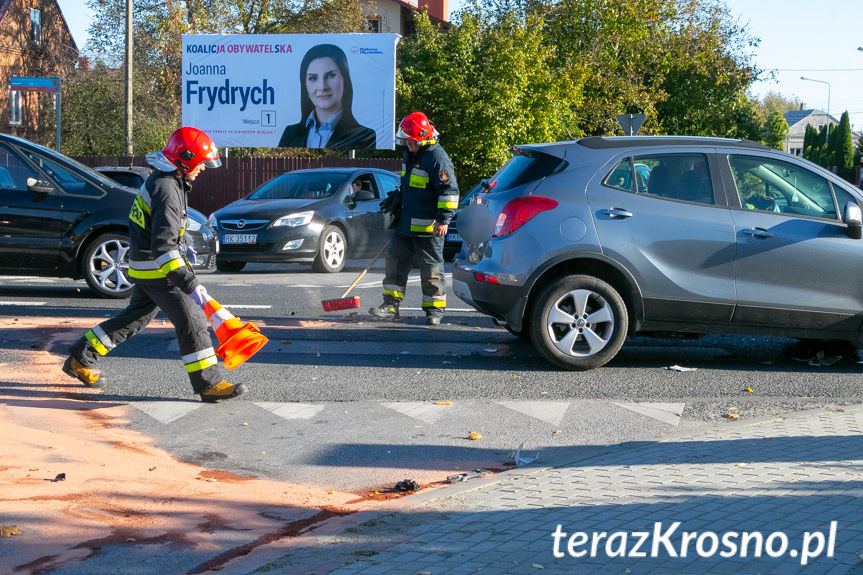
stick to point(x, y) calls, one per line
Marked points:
point(292, 90)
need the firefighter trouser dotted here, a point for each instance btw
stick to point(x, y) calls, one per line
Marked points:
point(189, 321)
point(429, 256)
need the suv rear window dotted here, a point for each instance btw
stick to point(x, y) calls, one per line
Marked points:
point(525, 166)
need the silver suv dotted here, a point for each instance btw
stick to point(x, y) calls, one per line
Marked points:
point(578, 244)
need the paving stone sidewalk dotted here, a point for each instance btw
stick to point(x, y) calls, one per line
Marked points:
point(786, 478)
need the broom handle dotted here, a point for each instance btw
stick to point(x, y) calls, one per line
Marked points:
point(368, 267)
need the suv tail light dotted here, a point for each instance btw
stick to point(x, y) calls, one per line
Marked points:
point(519, 211)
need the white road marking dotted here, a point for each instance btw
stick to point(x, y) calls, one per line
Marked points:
point(665, 412)
point(166, 411)
point(423, 410)
point(291, 410)
point(548, 411)
point(23, 303)
point(245, 306)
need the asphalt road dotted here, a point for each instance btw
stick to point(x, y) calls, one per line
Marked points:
point(343, 401)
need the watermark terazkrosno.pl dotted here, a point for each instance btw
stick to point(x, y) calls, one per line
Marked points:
point(670, 541)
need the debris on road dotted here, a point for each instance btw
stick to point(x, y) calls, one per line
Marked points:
point(408, 485)
point(516, 457)
point(9, 530)
point(473, 435)
point(680, 368)
point(465, 476)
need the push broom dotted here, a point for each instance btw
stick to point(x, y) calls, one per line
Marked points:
point(345, 302)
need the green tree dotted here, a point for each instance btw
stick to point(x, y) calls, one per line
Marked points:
point(485, 85)
point(776, 130)
point(158, 27)
point(776, 102)
point(841, 148)
point(683, 63)
point(810, 139)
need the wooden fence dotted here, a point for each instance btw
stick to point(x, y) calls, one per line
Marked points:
point(237, 177)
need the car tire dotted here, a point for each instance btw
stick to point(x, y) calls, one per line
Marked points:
point(105, 265)
point(570, 300)
point(228, 266)
point(332, 250)
point(449, 255)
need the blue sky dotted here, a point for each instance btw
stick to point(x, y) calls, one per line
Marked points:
point(798, 38)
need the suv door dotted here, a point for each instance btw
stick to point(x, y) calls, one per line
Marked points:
point(674, 237)
point(31, 222)
point(796, 266)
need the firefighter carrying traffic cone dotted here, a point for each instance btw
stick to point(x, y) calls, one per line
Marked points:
point(160, 268)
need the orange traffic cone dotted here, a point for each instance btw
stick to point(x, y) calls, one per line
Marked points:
point(237, 342)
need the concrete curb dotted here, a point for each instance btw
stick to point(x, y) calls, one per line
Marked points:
point(325, 532)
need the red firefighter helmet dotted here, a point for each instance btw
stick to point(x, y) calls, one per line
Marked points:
point(416, 127)
point(187, 147)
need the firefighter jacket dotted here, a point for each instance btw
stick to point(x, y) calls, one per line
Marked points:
point(156, 225)
point(429, 191)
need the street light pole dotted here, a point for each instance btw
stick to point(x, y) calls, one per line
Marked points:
point(827, 136)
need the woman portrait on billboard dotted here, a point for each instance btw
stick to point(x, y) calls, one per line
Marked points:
point(326, 100)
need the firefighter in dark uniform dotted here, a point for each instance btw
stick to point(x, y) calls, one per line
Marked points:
point(161, 272)
point(422, 209)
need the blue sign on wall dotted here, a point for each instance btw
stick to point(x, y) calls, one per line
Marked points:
point(34, 84)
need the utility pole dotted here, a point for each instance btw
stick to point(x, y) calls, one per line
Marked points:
point(129, 77)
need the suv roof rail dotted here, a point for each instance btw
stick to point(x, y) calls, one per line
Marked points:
point(604, 142)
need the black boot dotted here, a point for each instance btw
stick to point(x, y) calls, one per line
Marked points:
point(433, 320)
point(387, 311)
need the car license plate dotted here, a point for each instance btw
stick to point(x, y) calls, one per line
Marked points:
point(453, 238)
point(240, 238)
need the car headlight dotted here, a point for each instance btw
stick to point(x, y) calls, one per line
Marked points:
point(193, 226)
point(214, 223)
point(294, 220)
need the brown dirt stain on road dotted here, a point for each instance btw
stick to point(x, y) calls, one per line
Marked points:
point(118, 487)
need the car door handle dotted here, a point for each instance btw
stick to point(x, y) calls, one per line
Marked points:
point(616, 213)
point(757, 233)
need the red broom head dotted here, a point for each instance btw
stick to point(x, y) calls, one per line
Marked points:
point(339, 304)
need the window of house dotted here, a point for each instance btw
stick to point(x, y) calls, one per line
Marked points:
point(15, 107)
point(372, 25)
point(36, 25)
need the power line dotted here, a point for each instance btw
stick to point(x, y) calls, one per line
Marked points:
point(814, 69)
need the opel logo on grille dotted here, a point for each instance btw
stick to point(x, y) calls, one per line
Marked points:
point(241, 224)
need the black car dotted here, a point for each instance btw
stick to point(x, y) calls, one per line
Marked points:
point(307, 216)
point(198, 230)
point(59, 218)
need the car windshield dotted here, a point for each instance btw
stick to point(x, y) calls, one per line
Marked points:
point(294, 186)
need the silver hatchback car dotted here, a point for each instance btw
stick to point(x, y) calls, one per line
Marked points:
point(578, 244)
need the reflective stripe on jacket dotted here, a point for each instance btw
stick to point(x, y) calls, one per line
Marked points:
point(157, 221)
point(429, 191)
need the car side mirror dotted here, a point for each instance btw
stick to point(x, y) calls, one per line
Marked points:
point(364, 196)
point(854, 220)
point(39, 186)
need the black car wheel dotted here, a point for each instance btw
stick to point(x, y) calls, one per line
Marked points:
point(332, 251)
point(105, 265)
point(578, 322)
point(229, 267)
point(449, 255)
